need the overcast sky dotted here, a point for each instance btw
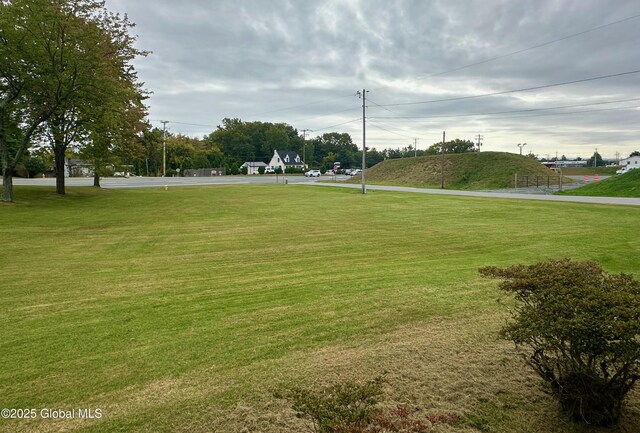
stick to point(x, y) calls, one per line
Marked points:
point(301, 62)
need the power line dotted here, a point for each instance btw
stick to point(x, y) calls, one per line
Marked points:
point(339, 124)
point(523, 50)
point(444, 116)
point(546, 86)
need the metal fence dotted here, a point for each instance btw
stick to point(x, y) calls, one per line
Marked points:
point(205, 172)
point(537, 181)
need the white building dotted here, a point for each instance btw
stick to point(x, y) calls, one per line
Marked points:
point(630, 163)
point(253, 167)
point(285, 159)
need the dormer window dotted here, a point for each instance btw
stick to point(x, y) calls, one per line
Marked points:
point(286, 158)
point(297, 158)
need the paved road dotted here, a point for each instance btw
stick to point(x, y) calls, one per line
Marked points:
point(150, 182)
point(508, 195)
point(159, 182)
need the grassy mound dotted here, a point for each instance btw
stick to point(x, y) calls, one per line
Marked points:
point(624, 185)
point(467, 171)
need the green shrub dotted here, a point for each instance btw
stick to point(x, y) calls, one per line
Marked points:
point(579, 328)
point(347, 407)
point(351, 408)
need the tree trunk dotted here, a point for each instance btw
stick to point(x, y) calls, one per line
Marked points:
point(59, 151)
point(96, 179)
point(7, 186)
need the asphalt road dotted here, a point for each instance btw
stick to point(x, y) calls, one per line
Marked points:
point(160, 182)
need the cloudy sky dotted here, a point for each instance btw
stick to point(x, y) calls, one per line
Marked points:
point(459, 66)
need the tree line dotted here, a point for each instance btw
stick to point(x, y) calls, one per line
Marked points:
point(68, 89)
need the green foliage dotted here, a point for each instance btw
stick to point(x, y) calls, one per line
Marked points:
point(351, 408)
point(595, 160)
point(578, 327)
point(68, 66)
point(454, 146)
point(35, 165)
point(244, 170)
point(261, 170)
point(295, 170)
point(341, 408)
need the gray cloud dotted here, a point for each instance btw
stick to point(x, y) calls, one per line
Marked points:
point(301, 62)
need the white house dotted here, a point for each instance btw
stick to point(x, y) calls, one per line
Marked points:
point(253, 166)
point(285, 159)
point(630, 163)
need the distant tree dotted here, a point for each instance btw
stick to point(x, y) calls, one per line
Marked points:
point(595, 161)
point(634, 153)
point(532, 155)
point(261, 170)
point(373, 157)
point(563, 158)
point(454, 146)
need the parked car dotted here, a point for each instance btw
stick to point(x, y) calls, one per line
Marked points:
point(269, 170)
point(329, 172)
point(312, 173)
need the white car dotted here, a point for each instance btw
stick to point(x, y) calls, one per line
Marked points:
point(269, 170)
point(312, 173)
point(329, 173)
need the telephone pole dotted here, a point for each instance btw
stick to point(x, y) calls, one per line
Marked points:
point(164, 147)
point(442, 162)
point(304, 145)
point(479, 141)
point(363, 95)
point(415, 147)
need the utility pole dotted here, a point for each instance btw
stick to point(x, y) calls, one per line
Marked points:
point(415, 147)
point(479, 141)
point(442, 162)
point(164, 147)
point(363, 95)
point(304, 145)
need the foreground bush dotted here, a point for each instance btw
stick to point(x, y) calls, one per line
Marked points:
point(579, 328)
point(351, 408)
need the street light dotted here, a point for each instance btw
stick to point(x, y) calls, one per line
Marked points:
point(521, 145)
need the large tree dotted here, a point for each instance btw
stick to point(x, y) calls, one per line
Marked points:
point(66, 63)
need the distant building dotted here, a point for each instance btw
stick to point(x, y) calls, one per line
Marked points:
point(285, 159)
point(77, 168)
point(253, 167)
point(630, 163)
point(560, 163)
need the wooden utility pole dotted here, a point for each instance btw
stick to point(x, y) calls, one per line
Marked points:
point(442, 162)
point(164, 147)
point(304, 146)
point(364, 135)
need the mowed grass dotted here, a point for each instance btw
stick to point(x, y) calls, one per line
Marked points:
point(624, 185)
point(184, 310)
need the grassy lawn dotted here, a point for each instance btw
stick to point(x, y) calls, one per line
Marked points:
point(184, 310)
point(624, 185)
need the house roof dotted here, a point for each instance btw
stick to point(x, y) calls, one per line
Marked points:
point(292, 157)
point(255, 164)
